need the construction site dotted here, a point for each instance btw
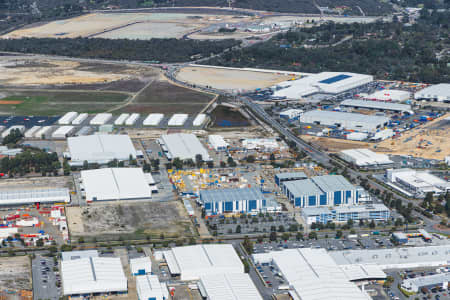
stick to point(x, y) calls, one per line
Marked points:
point(431, 141)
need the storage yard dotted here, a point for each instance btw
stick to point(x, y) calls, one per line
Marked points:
point(230, 79)
point(168, 218)
point(15, 273)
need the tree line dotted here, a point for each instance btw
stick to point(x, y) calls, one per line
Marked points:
point(164, 50)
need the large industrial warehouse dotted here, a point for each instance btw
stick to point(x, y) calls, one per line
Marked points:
point(115, 184)
point(396, 258)
point(365, 158)
point(232, 200)
point(93, 275)
point(327, 190)
point(389, 95)
point(100, 148)
point(184, 146)
point(438, 92)
point(325, 82)
point(192, 262)
point(312, 274)
point(378, 105)
point(418, 182)
point(31, 196)
point(351, 121)
point(228, 287)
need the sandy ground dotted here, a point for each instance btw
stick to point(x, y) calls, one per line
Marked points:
point(15, 273)
point(436, 132)
point(335, 145)
point(230, 79)
point(74, 220)
point(126, 25)
point(29, 71)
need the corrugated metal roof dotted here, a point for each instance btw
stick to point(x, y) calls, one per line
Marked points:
point(314, 275)
point(115, 184)
point(149, 287)
point(184, 146)
point(25, 196)
point(140, 263)
point(332, 183)
point(70, 255)
point(93, 275)
point(229, 287)
point(100, 148)
point(302, 187)
point(378, 105)
point(198, 260)
point(337, 117)
point(289, 175)
point(234, 194)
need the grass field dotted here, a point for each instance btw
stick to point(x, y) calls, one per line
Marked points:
point(58, 102)
point(163, 97)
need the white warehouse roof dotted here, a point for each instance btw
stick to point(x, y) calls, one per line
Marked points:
point(100, 148)
point(199, 120)
point(378, 105)
point(178, 120)
point(396, 258)
point(313, 274)
point(140, 263)
point(80, 119)
point(217, 142)
point(439, 92)
point(389, 95)
point(192, 262)
point(184, 146)
point(121, 119)
point(115, 184)
point(325, 82)
point(27, 196)
point(68, 118)
point(228, 287)
point(101, 119)
point(365, 157)
point(149, 287)
point(352, 121)
point(62, 132)
point(93, 275)
point(153, 119)
point(71, 255)
point(132, 119)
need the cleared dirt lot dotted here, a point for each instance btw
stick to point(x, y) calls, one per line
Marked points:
point(229, 79)
point(15, 273)
point(430, 141)
point(123, 25)
point(20, 71)
point(335, 145)
point(152, 218)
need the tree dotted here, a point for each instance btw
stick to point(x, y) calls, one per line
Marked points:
point(177, 163)
point(350, 223)
point(281, 228)
point(285, 236)
point(231, 162)
point(272, 157)
point(248, 245)
point(312, 235)
point(339, 234)
point(372, 224)
point(199, 160)
point(210, 164)
point(13, 137)
point(273, 236)
point(250, 159)
point(238, 229)
point(39, 243)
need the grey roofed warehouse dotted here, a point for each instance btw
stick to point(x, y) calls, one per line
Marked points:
point(378, 105)
point(100, 148)
point(345, 120)
point(184, 146)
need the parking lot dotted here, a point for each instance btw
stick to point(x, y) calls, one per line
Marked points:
point(245, 224)
point(46, 281)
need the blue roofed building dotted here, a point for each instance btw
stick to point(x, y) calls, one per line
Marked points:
point(234, 200)
point(321, 191)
